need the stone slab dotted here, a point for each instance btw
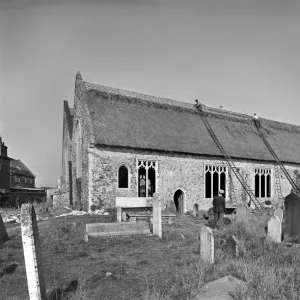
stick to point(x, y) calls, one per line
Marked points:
point(220, 289)
point(133, 202)
point(115, 227)
point(207, 245)
point(274, 229)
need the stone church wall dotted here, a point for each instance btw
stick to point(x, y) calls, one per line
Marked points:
point(174, 172)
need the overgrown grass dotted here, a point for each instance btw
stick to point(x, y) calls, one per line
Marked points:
point(147, 268)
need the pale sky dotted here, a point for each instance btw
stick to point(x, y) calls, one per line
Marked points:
point(243, 55)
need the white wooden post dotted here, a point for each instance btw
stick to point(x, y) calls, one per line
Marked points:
point(32, 253)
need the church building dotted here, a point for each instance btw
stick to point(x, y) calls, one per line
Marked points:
point(121, 147)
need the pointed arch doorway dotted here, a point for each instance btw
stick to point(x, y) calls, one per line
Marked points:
point(179, 201)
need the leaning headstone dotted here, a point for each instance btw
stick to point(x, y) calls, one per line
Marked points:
point(207, 245)
point(3, 232)
point(242, 213)
point(119, 214)
point(195, 211)
point(279, 213)
point(32, 253)
point(274, 229)
point(232, 246)
point(291, 216)
point(157, 223)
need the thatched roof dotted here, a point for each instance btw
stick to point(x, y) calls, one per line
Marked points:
point(128, 119)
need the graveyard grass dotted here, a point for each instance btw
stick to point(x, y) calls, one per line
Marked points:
point(148, 268)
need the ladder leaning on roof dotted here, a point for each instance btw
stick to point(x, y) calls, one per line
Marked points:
point(279, 163)
point(231, 164)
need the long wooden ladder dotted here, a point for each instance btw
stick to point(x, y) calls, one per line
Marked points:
point(279, 163)
point(231, 164)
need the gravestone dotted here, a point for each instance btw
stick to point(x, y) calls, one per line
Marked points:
point(242, 213)
point(3, 232)
point(119, 214)
point(172, 207)
point(279, 213)
point(232, 246)
point(195, 210)
point(123, 216)
point(274, 229)
point(207, 245)
point(220, 289)
point(291, 216)
point(157, 223)
point(32, 253)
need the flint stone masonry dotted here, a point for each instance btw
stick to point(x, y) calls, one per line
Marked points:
point(207, 245)
point(32, 253)
point(3, 232)
point(242, 213)
point(274, 229)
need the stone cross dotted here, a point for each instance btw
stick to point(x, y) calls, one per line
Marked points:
point(195, 210)
point(3, 232)
point(157, 222)
point(274, 229)
point(279, 213)
point(242, 213)
point(119, 214)
point(232, 245)
point(207, 245)
point(32, 253)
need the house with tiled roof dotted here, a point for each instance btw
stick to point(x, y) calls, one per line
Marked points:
point(120, 147)
point(20, 175)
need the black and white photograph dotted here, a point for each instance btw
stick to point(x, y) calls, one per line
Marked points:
point(149, 149)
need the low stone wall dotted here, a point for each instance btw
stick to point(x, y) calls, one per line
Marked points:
point(61, 198)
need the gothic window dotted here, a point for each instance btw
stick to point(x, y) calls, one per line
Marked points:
point(123, 177)
point(146, 178)
point(262, 183)
point(78, 141)
point(215, 179)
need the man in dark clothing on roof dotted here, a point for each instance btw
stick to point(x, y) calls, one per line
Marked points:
point(219, 208)
point(198, 105)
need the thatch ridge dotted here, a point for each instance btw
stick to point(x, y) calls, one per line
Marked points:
point(180, 106)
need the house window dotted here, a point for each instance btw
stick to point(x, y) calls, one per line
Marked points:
point(78, 139)
point(146, 178)
point(123, 177)
point(262, 183)
point(215, 179)
point(19, 179)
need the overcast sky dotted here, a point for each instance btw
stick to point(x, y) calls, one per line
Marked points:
point(243, 55)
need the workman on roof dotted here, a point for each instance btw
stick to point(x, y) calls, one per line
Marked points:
point(198, 105)
point(256, 121)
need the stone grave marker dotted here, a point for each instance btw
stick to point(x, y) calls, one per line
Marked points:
point(157, 222)
point(242, 213)
point(232, 246)
point(123, 216)
point(3, 232)
point(32, 253)
point(274, 229)
point(291, 216)
point(195, 210)
point(207, 245)
point(279, 213)
point(119, 214)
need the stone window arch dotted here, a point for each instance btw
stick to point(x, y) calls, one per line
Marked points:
point(78, 141)
point(123, 177)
